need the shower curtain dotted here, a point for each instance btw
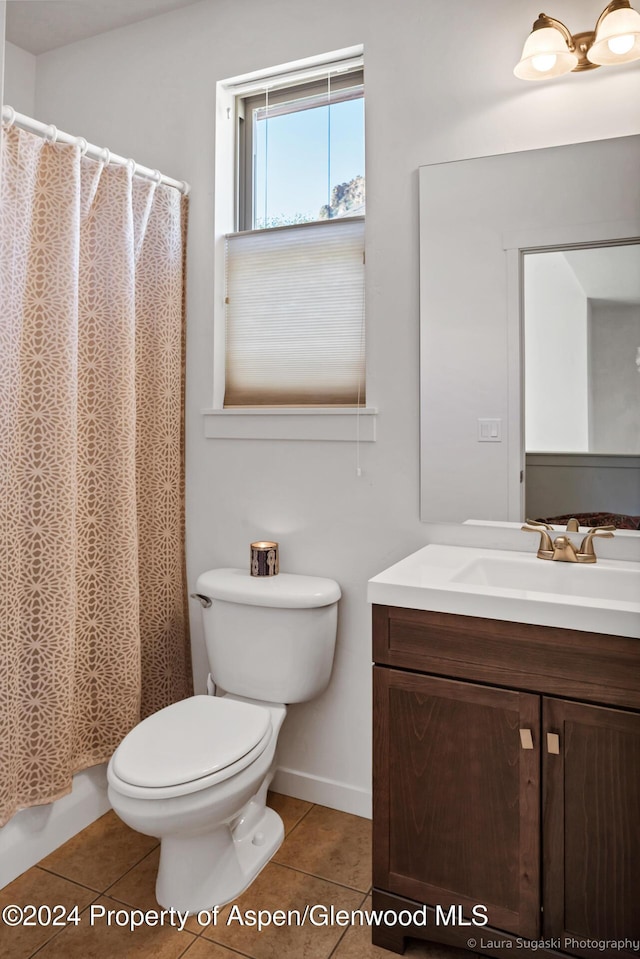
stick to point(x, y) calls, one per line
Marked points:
point(93, 615)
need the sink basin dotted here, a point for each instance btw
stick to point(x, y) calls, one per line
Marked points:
point(564, 579)
point(515, 586)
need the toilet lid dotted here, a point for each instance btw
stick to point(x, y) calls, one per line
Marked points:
point(190, 739)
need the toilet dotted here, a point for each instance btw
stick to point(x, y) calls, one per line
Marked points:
point(196, 773)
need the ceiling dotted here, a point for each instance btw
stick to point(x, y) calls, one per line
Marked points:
point(41, 25)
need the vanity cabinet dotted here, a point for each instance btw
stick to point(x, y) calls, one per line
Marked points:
point(506, 778)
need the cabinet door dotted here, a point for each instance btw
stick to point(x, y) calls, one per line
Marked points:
point(456, 796)
point(591, 825)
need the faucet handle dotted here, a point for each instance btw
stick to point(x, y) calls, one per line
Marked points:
point(545, 549)
point(537, 523)
point(573, 526)
point(587, 554)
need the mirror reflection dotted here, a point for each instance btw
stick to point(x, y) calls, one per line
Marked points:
point(582, 382)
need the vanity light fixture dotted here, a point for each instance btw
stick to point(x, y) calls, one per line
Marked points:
point(551, 50)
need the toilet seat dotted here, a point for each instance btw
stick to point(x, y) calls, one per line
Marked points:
point(190, 745)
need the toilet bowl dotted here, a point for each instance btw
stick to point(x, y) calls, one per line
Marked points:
point(196, 773)
point(207, 806)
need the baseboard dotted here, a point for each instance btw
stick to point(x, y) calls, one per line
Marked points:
point(33, 833)
point(325, 792)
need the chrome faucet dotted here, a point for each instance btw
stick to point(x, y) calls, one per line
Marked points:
point(561, 549)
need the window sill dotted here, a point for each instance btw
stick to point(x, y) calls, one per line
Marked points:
point(344, 424)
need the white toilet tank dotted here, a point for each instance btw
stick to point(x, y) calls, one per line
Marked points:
point(270, 638)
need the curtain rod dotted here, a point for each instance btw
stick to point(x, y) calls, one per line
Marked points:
point(51, 133)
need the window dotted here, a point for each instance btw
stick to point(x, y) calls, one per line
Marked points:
point(294, 266)
point(302, 153)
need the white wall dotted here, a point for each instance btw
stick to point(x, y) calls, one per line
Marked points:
point(20, 79)
point(556, 371)
point(614, 339)
point(439, 86)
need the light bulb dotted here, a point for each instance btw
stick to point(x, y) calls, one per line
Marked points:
point(544, 62)
point(621, 45)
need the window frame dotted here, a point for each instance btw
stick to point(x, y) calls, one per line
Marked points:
point(337, 88)
point(319, 423)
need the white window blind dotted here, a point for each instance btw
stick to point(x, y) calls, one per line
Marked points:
point(295, 315)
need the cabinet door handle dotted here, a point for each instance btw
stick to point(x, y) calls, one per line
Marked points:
point(553, 743)
point(526, 739)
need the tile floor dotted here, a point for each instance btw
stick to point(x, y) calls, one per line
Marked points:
point(324, 859)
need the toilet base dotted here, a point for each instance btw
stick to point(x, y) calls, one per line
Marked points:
point(202, 871)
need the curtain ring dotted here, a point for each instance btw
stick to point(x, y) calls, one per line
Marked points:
point(51, 133)
point(186, 188)
point(8, 116)
point(106, 154)
point(131, 166)
point(84, 146)
point(157, 177)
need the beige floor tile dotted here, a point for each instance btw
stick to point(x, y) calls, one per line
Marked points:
point(204, 949)
point(333, 845)
point(138, 888)
point(38, 888)
point(289, 809)
point(100, 854)
point(356, 944)
point(280, 888)
point(101, 941)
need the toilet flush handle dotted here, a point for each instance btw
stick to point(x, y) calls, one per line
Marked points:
point(204, 601)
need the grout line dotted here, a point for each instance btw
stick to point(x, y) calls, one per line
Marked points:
point(296, 824)
point(60, 931)
point(186, 950)
point(93, 888)
point(195, 939)
point(130, 869)
point(223, 945)
point(347, 929)
point(313, 875)
point(60, 875)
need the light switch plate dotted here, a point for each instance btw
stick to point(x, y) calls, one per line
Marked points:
point(489, 431)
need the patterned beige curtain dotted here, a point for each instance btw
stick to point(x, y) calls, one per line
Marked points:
point(93, 618)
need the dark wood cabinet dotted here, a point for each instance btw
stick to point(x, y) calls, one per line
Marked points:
point(439, 739)
point(592, 823)
point(497, 800)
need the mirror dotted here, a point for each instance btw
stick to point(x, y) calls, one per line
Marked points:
point(582, 426)
point(488, 226)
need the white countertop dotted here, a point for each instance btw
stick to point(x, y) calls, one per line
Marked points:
point(431, 579)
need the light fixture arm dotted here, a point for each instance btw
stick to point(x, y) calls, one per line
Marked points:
point(544, 21)
point(578, 43)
